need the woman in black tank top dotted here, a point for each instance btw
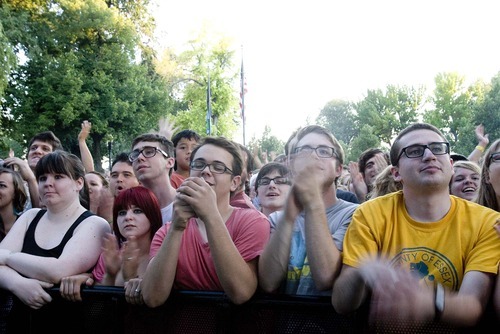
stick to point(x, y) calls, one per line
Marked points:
point(47, 244)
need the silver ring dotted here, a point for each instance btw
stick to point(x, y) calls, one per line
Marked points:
point(137, 290)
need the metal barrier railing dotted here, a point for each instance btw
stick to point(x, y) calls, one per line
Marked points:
point(104, 310)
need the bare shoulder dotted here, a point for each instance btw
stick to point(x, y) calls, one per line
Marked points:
point(97, 222)
point(27, 216)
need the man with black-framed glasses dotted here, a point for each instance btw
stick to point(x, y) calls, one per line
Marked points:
point(304, 252)
point(419, 255)
point(209, 244)
point(152, 159)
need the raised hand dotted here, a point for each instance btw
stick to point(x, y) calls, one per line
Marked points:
point(111, 254)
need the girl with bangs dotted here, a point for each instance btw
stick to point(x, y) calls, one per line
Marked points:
point(45, 245)
point(125, 252)
point(136, 218)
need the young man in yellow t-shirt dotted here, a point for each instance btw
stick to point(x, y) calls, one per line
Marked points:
point(419, 254)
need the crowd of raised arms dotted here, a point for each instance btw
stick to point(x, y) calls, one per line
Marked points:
point(412, 233)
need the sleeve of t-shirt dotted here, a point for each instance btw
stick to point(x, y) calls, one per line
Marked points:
point(99, 270)
point(252, 233)
point(359, 240)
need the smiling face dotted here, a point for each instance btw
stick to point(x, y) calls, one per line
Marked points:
point(223, 183)
point(37, 150)
point(465, 183)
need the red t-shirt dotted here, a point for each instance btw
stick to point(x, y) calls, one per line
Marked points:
point(249, 229)
point(176, 179)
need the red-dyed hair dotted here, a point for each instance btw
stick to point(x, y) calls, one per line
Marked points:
point(143, 198)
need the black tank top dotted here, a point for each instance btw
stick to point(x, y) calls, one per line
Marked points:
point(30, 246)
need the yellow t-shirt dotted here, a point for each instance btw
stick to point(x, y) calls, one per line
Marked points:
point(441, 251)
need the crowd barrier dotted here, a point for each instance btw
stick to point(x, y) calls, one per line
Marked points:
point(104, 310)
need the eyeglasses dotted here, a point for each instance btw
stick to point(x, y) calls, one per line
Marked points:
point(215, 167)
point(147, 152)
point(495, 158)
point(265, 181)
point(418, 150)
point(321, 151)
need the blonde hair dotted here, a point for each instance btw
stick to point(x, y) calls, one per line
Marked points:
point(384, 184)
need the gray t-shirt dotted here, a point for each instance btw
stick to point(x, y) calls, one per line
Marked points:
point(299, 279)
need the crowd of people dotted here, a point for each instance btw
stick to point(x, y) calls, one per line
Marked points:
point(413, 234)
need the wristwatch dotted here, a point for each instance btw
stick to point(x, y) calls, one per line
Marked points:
point(439, 302)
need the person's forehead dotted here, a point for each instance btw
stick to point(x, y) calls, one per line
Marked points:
point(122, 167)
point(464, 171)
point(6, 177)
point(140, 145)
point(209, 153)
point(92, 177)
point(272, 173)
point(185, 140)
point(422, 137)
point(314, 139)
point(375, 157)
point(41, 143)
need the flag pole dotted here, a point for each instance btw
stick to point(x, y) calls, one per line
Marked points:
point(242, 95)
point(209, 107)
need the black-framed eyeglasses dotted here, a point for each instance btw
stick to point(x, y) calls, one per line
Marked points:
point(495, 158)
point(321, 151)
point(265, 181)
point(147, 152)
point(418, 150)
point(215, 167)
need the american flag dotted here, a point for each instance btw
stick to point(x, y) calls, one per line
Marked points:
point(243, 91)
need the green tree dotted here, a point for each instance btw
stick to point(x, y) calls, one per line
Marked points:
point(84, 65)
point(7, 60)
point(339, 117)
point(390, 112)
point(454, 104)
point(187, 75)
point(487, 112)
point(365, 140)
